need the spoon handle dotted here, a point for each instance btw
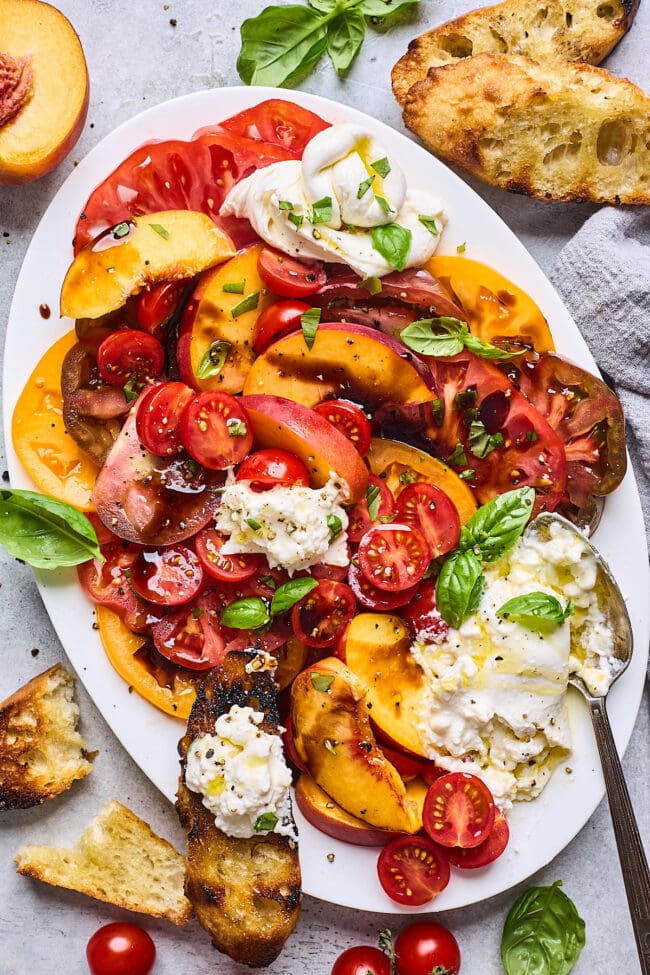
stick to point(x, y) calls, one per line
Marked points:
point(630, 849)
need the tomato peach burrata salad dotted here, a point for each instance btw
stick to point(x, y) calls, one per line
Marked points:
point(298, 431)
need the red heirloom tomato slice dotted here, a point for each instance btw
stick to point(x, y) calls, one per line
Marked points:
point(373, 598)
point(412, 870)
point(158, 416)
point(128, 354)
point(362, 960)
point(167, 576)
point(272, 467)
point(320, 617)
point(360, 520)
point(351, 421)
point(227, 568)
point(393, 557)
point(120, 949)
point(276, 321)
point(422, 616)
point(192, 635)
point(156, 305)
point(428, 508)
point(458, 810)
point(487, 851)
point(107, 583)
point(288, 277)
point(277, 122)
point(216, 430)
point(425, 948)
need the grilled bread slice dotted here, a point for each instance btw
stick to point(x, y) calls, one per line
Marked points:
point(584, 30)
point(558, 131)
point(245, 892)
point(41, 751)
point(118, 859)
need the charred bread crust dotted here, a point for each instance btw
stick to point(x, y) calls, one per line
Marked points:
point(246, 893)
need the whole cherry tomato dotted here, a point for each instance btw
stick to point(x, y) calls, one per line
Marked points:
point(120, 949)
point(361, 960)
point(426, 947)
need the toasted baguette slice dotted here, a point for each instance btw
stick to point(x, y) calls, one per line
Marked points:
point(117, 859)
point(557, 131)
point(245, 892)
point(584, 30)
point(41, 751)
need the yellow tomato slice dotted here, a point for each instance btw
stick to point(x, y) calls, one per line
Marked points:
point(495, 307)
point(55, 463)
point(391, 460)
point(165, 687)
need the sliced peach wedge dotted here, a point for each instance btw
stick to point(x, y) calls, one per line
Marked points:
point(166, 246)
point(334, 739)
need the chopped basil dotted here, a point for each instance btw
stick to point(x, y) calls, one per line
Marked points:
point(322, 210)
point(121, 229)
point(467, 475)
point(381, 167)
point(457, 457)
point(237, 428)
point(248, 304)
point(296, 219)
point(372, 285)
point(197, 613)
point(407, 477)
point(373, 499)
point(481, 443)
point(285, 205)
point(393, 242)
point(438, 412)
point(461, 248)
point(132, 389)
point(335, 525)
point(234, 287)
point(309, 322)
point(466, 399)
point(532, 436)
point(364, 187)
point(386, 519)
point(213, 359)
point(160, 230)
point(266, 823)
point(245, 614)
point(254, 525)
point(383, 203)
point(430, 223)
point(269, 582)
point(291, 593)
point(536, 611)
point(329, 746)
point(321, 682)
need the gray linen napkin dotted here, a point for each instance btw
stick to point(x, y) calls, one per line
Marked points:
point(603, 275)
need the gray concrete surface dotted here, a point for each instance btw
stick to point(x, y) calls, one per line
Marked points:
point(137, 58)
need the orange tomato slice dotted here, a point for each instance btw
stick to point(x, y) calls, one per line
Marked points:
point(494, 306)
point(55, 463)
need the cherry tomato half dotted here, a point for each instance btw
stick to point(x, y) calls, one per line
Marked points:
point(192, 635)
point(360, 520)
point(288, 277)
point(373, 598)
point(157, 420)
point(128, 354)
point(271, 467)
point(412, 870)
point(485, 852)
point(362, 960)
point(107, 583)
point(422, 617)
point(167, 576)
point(458, 810)
point(426, 947)
point(216, 430)
point(393, 557)
point(428, 508)
point(277, 320)
point(120, 949)
point(320, 617)
point(349, 420)
point(156, 305)
point(227, 568)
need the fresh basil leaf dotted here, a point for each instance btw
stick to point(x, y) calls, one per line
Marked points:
point(457, 457)
point(322, 210)
point(497, 525)
point(321, 682)
point(431, 223)
point(393, 242)
point(384, 8)
point(281, 45)
point(480, 442)
point(435, 336)
point(488, 351)
point(381, 167)
point(266, 822)
point(325, 6)
point(245, 614)
point(236, 287)
point(45, 533)
point(309, 322)
point(291, 593)
point(344, 39)
point(213, 359)
point(160, 230)
point(459, 587)
point(536, 611)
point(335, 525)
point(248, 304)
point(373, 500)
point(364, 187)
point(543, 933)
point(372, 285)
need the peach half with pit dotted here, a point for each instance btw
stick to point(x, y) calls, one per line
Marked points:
point(166, 246)
point(324, 450)
point(346, 361)
point(334, 739)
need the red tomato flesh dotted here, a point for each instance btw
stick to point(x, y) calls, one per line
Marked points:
point(128, 354)
point(373, 598)
point(167, 576)
point(359, 515)
point(288, 277)
point(227, 568)
point(107, 584)
point(393, 557)
point(412, 870)
point(120, 949)
point(277, 122)
point(487, 851)
point(320, 617)
point(156, 305)
point(215, 430)
point(192, 635)
point(425, 948)
point(276, 321)
point(430, 510)
point(272, 467)
point(349, 420)
point(158, 416)
point(458, 810)
point(422, 616)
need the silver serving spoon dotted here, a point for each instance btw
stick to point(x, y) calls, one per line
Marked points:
point(630, 849)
